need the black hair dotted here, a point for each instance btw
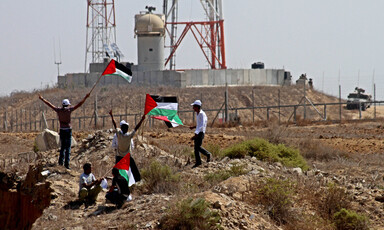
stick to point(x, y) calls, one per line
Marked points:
point(115, 172)
point(87, 166)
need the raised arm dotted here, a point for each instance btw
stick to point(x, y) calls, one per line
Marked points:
point(81, 102)
point(47, 102)
point(113, 120)
point(140, 122)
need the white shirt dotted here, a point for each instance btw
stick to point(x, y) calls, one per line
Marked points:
point(86, 179)
point(201, 122)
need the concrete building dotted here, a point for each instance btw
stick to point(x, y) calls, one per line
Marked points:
point(179, 79)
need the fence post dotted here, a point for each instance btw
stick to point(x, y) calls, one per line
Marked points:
point(294, 113)
point(268, 114)
point(44, 120)
point(374, 99)
point(253, 106)
point(279, 109)
point(340, 102)
point(30, 120)
point(96, 115)
point(5, 121)
point(325, 112)
point(16, 121)
point(359, 110)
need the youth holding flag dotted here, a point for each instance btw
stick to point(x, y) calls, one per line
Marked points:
point(124, 145)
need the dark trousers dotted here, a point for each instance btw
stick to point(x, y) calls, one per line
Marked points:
point(198, 149)
point(135, 171)
point(116, 198)
point(65, 150)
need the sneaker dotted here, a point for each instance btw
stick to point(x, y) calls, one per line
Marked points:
point(209, 158)
point(67, 166)
point(196, 165)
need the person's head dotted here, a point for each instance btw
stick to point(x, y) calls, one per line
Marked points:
point(124, 126)
point(66, 103)
point(196, 106)
point(87, 168)
point(115, 172)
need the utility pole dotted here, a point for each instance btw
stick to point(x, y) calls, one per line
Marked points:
point(57, 62)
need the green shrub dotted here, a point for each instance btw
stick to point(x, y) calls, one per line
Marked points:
point(276, 196)
point(215, 150)
point(265, 151)
point(349, 220)
point(221, 175)
point(190, 214)
point(160, 178)
point(335, 198)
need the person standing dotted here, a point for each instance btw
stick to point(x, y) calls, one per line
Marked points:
point(123, 143)
point(64, 115)
point(89, 187)
point(201, 125)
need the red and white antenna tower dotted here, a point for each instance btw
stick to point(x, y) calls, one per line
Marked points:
point(101, 30)
point(208, 34)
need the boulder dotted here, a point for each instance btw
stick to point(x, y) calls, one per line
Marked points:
point(49, 139)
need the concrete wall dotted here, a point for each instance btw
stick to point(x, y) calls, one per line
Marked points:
point(188, 78)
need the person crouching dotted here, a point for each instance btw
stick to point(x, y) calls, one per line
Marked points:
point(119, 191)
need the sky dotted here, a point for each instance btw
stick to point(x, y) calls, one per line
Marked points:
point(333, 42)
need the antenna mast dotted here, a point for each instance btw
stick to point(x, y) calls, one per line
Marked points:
point(58, 63)
point(101, 30)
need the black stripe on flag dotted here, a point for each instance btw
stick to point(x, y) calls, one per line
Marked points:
point(123, 68)
point(164, 99)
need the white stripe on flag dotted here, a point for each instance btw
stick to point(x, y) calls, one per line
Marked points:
point(164, 105)
point(131, 178)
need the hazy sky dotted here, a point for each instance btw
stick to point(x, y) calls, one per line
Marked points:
point(320, 38)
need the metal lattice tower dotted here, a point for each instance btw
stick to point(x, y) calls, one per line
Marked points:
point(101, 30)
point(209, 34)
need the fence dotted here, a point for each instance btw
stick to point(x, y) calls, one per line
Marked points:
point(34, 120)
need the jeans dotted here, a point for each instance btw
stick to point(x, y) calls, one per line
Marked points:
point(65, 150)
point(198, 149)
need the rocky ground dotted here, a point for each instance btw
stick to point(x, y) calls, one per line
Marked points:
point(354, 163)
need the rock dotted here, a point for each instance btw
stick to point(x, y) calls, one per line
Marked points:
point(229, 204)
point(379, 199)
point(298, 171)
point(216, 205)
point(49, 139)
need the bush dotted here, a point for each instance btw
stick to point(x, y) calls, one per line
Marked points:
point(349, 220)
point(276, 196)
point(190, 214)
point(265, 151)
point(335, 198)
point(160, 178)
point(221, 175)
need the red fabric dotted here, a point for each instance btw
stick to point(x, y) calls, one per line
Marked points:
point(149, 104)
point(123, 163)
point(111, 68)
point(163, 118)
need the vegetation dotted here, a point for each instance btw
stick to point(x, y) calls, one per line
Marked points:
point(221, 175)
point(265, 151)
point(276, 196)
point(335, 198)
point(160, 178)
point(349, 220)
point(190, 214)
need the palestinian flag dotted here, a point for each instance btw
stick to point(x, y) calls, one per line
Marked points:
point(163, 108)
point(125, 170)
point(115, 68)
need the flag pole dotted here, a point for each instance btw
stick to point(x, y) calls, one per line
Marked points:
point(95, 84)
